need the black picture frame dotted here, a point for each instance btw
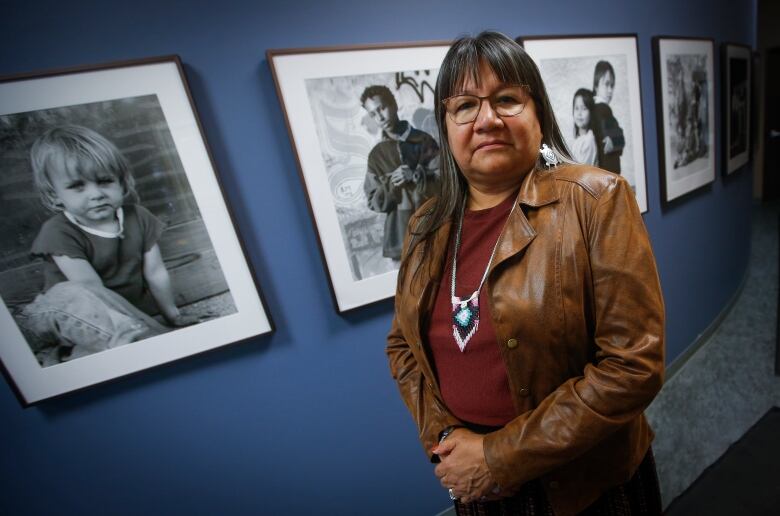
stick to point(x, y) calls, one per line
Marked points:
point(567, 64)
point(736, 95)
point(685, 110)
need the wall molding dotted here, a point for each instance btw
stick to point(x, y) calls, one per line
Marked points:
point(673, 368)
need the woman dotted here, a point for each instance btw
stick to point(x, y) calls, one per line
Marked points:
point(528, 329)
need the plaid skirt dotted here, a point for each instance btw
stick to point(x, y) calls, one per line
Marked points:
point(641, 495)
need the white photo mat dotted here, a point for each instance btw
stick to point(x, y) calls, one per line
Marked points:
point(575, 57)
point(291, 69)
point(681, 173)
point(162, 78)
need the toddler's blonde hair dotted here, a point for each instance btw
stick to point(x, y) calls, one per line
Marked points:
point(77, 151)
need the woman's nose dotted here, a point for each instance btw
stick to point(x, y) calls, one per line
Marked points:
point(487, 118)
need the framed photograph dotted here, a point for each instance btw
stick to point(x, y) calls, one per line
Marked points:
point(593, 85)
point(362, 126)
point(736, 71)
point(119, 252)
point(685, 103)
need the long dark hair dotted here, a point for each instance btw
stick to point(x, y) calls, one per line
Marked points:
point(587, 99)
point(512, 65)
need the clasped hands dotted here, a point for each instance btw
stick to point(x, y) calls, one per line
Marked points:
point(463, 467)
point(404, 174)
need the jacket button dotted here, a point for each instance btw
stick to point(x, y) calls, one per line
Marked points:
point(554, 484)
point(523, 392)
point(511, 343)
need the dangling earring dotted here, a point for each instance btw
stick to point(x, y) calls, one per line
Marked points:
point(550, 159)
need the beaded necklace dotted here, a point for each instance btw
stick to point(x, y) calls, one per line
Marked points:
point(465, 312)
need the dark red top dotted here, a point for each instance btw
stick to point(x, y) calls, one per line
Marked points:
point(474, 382)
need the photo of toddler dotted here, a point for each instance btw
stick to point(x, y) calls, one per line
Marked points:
point(100, 249)
point(103, 244)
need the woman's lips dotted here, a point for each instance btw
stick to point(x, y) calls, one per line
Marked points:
point(491, 145)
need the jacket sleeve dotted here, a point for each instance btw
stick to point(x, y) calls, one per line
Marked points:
point(627, 371)
point(417, 391)
point(425, 178)
point(616, 133)
point(381, 195)
point(613, 130)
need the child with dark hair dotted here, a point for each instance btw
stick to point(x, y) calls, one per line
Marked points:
point(584, 149)
point(612, 141)
point(102, 265)
point(403, 170)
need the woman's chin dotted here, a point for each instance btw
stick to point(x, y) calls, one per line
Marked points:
point(501, 166)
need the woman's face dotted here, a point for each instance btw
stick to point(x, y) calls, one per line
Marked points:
point(494, 149)
point(581, 114)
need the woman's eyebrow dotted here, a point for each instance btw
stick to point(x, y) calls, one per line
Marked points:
point(502, 86)
point(454, 92)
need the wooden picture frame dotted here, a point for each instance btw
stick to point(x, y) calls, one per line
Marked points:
point(344, 154)
point(170, 199)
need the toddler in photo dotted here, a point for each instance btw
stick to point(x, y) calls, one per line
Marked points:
point(584, 149)
point(612, 141)
point(103, 271)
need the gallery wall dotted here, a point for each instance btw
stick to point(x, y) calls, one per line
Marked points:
point(307, 419)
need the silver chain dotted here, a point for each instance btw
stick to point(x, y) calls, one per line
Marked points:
point(455, 255)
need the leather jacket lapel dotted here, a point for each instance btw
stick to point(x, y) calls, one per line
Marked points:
point(538, 189)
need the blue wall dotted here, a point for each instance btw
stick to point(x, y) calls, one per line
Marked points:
point(307, 420)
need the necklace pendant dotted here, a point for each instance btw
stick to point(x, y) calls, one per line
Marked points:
point(465, 319)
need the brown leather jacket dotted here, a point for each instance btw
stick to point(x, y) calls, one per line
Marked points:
point(579, 318)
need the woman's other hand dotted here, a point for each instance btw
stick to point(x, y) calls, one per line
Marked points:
point(463, 467)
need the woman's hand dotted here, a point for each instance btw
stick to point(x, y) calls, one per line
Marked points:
point(463, 468)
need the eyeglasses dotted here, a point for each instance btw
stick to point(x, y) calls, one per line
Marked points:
point(508, 101)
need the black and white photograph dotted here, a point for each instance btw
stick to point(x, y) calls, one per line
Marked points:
point(685, 100)
point(736, 60)
point(362, 124)
point(97, 191)
point(593, 85)
point(105, 247)
point(379, 143)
